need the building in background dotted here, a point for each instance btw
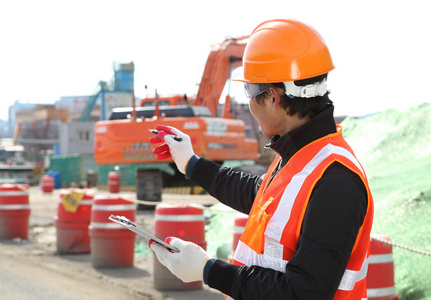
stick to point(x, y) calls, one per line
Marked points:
point(66, 126)
point(76, 137)
point(75, 106)
point(37, 129)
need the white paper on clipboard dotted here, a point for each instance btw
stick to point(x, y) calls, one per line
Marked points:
point(123, 221)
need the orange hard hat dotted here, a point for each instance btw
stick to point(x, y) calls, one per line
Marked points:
point(284, 50)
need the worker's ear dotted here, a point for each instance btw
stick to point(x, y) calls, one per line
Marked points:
point(275, 97)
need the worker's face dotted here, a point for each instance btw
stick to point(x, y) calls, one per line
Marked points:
point(272, 118)
point(265, 115)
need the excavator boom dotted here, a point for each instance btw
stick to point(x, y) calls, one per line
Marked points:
point(222, 59)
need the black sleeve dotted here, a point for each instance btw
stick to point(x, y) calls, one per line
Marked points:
point(235, 189)
point(335, 213)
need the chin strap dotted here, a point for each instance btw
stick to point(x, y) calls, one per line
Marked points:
point(306, 91)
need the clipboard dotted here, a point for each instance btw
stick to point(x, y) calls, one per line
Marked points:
point(123, 221)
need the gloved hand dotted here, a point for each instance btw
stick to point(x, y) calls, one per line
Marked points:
point(188, 264)
point(180, 151)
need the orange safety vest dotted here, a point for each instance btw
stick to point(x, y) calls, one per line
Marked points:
point(272, 230)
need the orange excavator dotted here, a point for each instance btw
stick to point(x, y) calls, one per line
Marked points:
point(124, 138)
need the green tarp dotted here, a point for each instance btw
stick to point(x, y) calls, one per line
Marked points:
point(74, 169)
point(395, 149)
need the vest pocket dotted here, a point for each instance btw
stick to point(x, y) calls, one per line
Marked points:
point(254, 231)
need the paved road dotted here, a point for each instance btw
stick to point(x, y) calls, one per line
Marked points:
point(25, 278)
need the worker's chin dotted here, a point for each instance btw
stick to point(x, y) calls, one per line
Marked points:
point(263, 132)
point(267, 132)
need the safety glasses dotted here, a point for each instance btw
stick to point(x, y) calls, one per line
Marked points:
point(254, 89)
point(292, 90)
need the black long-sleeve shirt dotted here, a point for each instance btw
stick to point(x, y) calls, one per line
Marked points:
point(335, 213)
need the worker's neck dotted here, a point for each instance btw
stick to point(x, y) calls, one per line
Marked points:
point(293, 122)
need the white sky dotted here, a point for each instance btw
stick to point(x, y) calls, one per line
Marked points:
point(49, 49)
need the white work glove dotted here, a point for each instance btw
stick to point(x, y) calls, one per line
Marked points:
point(188, 264)
point(180, 151)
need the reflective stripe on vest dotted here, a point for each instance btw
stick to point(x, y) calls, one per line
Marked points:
point(248, 257)
point(282, 214)
point(351, 277)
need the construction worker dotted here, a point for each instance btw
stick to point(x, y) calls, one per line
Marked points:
point(310, 215)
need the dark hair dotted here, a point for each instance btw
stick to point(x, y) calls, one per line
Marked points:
point(302, 106)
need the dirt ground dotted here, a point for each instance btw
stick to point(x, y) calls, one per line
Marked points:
point(32, 269)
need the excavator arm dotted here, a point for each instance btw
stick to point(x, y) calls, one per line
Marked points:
point(223, 58)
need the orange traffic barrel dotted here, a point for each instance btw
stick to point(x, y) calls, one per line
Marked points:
point(72, 220)
point(114, 182)
point(185, 221)
point(14, 211)
point(47, 183)
point(238, 229)
point(380, 277)
point(111, 245)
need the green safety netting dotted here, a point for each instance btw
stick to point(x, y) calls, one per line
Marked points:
point(395, 149)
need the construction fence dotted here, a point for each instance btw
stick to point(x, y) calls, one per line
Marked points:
point(81, 170)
